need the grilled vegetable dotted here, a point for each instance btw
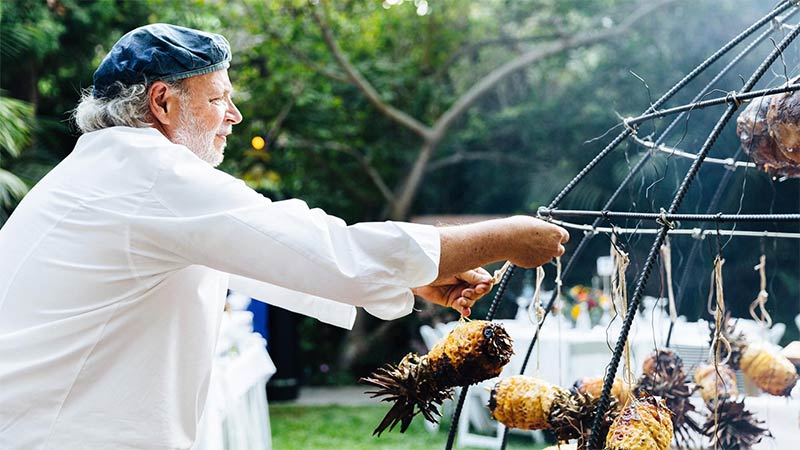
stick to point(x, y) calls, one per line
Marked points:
point(474, 351)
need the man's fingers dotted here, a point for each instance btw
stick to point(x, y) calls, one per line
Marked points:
point(475, 276)
point(463, 305)
point(564, 236)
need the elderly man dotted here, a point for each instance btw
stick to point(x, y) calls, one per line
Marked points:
point(114, 268)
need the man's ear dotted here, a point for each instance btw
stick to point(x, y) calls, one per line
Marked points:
point(160, 101)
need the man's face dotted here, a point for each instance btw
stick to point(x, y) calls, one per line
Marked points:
point(206, 115)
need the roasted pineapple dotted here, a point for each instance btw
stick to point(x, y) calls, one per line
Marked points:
point(663, 376)
point(719, 383)
point(645, 424)
point(529, 403)
point(767, 368)
point(594, 387)
point(474, 351)
point(523, 402)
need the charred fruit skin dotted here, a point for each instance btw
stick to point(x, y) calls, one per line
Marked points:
point(523, 402)
point(645, 424)
point(768, 369)
point(474, 351)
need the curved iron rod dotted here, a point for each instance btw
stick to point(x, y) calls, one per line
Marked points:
point(732, 97)
point(726, 177)
point(674, 89)
point(611, 371)
point(670, 217)
point(501, 289)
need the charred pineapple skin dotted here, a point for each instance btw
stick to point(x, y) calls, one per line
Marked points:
point(474, 351)
point(645, 424)
point(719, 383)
point(523, 402)
point(594, 387)
point(768, 369)
point(664, 363)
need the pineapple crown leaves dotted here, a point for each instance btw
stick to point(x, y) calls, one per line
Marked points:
point(664, 377)
point(410, 386)
point(473, 352)
point(736, 338)
point(572, 414)
point(735, 427)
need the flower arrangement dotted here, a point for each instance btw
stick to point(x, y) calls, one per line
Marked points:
point(586, 300)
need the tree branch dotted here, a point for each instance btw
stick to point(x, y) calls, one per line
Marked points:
point(365, 162)
point(459, 157)
point(355, 76)
point(568, 43)
point(307, 60)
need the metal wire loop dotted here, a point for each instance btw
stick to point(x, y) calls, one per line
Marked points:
point(664, 221)
point(732, 96)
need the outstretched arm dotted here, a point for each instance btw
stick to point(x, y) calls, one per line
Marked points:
point(523, 240)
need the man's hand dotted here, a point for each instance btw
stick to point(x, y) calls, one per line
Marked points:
point(525, 241)
point(535, 241)
point(459, 291)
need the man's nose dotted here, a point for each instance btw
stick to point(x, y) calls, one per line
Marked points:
point(233, 115)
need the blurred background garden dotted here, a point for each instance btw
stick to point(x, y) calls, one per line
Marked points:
point(429, 110)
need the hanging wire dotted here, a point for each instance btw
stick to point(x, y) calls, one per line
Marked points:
point(508, 272)
point(604, 400)
point(762, 316)
point(673, 151)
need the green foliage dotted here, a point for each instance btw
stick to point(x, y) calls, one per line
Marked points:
point(16, 122)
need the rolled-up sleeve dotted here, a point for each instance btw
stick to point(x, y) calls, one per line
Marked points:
point(202, 216)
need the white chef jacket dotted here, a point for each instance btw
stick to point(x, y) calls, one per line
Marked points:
point(113, 274)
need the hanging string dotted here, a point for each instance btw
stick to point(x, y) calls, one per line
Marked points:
point(558, 320)
point(762, 316)
point(718, 312)
point(666, 257)
point(536, 311)
point(619, 292)
point(718, 340)
point(498, 274)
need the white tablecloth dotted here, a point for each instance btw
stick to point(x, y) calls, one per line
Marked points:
point(780, 415)
point(236, 416)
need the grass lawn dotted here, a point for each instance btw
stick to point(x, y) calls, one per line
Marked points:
point(350, 428)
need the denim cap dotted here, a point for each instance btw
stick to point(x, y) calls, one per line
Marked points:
point(159, 52)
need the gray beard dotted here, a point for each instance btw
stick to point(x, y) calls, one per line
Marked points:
point(200, 142)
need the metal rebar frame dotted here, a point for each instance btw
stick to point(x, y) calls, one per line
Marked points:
point(733, 100)
point(603, 402)
point(668, 218)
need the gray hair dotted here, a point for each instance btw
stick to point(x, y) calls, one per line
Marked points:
point(129, 108)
